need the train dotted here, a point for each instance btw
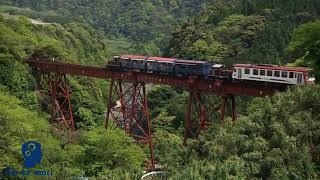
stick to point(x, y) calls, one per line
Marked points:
point(210, 70)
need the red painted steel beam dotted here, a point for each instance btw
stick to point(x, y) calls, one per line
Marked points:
point(218, 87)
point(128, 109)
point(61, 108)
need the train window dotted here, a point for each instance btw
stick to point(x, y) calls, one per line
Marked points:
point(284, 74)
point(246, 71)
point(276, 74)
point(262, 72)
point(290, 74)
point(255, 71)
point(269, 73)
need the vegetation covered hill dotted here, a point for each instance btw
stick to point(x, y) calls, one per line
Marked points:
point(243, 31)
point(74, 42)
point(147, 23)
point(87, 156)
point(22, 117)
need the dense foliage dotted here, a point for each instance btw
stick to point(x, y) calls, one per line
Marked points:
point(74, 42)
point(305, 46)
point(87, 157)
point(243, 31)
point(279, 139)
point(147, 23)
point(77, 43)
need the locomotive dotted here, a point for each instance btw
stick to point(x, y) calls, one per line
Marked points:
point(210, 70)
point(170, 66)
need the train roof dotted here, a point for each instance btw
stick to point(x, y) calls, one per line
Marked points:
point(274, 67)
point(190, 61)
point(154, 58)
point(132, 57)
point(138, 57)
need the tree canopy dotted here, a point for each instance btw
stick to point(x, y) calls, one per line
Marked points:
point(242, 31)
point(305, 46)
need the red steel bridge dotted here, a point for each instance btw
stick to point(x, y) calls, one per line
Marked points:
point(127, 103)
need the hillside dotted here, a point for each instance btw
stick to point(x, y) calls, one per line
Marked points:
point(147, 23)
point(24, 111)
point(73, 42)
point(87, 157)
point(245, 31)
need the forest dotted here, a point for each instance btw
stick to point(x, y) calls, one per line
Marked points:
point(276, 137)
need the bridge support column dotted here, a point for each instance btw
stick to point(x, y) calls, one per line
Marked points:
point(223, 107)
point(59, 97)
point(128, 109)
point(200, 112)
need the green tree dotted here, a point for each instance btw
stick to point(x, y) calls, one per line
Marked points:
point(278, 139)
point(19, 125)
point(305, 46)
point(109, 151)
point(242, 31)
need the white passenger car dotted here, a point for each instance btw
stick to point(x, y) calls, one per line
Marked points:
point(271, 73)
